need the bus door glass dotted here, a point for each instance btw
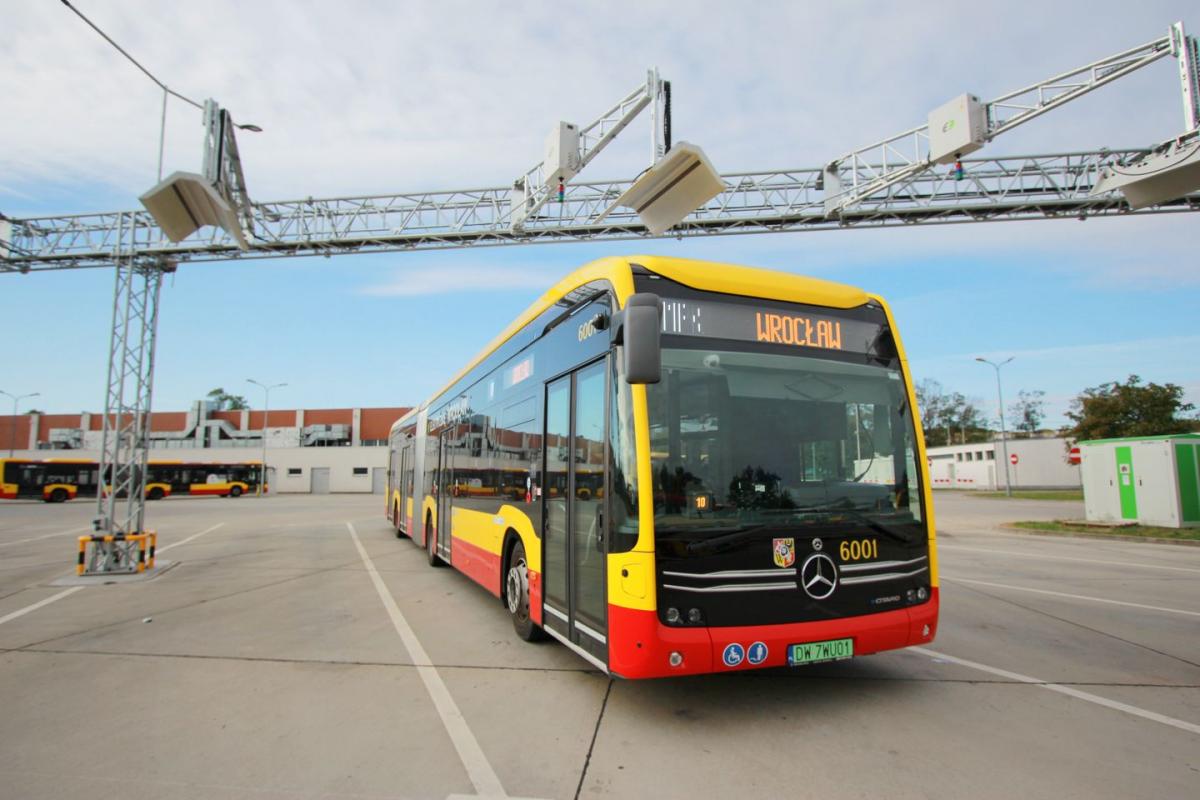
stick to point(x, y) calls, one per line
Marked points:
point(445, 486)
point(573, 543)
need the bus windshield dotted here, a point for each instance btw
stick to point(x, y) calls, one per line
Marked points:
point(744, 440)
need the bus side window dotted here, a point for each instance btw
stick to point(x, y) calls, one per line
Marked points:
point(622, 468)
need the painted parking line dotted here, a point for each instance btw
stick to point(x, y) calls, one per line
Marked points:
point(53, 598)
point(1039, 556)
point(47, 536)
point(190, 538)
point(1072, 596)
point(1067, 690)
point(479, 770)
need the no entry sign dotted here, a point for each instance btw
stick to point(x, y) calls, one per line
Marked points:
point(1013, 458)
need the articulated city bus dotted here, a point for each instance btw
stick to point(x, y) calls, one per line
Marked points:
point(56, 480)
point(678, 467)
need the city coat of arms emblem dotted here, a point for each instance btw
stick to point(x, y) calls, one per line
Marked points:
point(785, 552)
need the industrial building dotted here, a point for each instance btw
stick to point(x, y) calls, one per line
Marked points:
point(308, 450)
point(1038, 464)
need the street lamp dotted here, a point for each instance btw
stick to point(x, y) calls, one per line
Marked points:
point(12, 430)
point(1003, 437)
point(266, 412)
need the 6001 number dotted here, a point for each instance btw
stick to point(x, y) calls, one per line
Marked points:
point(859, 550)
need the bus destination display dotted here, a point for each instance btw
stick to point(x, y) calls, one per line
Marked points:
point(798, 328)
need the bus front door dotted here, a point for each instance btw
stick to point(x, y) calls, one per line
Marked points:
point(573, 530)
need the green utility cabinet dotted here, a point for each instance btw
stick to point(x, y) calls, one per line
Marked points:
point(1152, 480)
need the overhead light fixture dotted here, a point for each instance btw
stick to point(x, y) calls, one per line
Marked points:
point(680, 182)
point(1169, 172)
point(185, 202)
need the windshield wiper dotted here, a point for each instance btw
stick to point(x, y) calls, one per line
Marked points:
point(730, 535)
point(851, 511)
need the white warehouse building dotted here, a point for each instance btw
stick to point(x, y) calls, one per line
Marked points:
point(1039, 464)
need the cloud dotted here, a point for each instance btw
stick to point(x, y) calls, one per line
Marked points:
point(364, 98)
point(459, 278)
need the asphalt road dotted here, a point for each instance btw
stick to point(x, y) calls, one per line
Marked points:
point(298, 650)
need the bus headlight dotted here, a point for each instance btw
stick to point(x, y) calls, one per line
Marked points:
point(922, 594)
point(694, 616)
point(673, 617)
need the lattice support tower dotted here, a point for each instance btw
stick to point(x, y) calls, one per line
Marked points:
point(120, 505)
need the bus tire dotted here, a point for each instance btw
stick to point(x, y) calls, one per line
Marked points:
point(58, 496)
point(155, 493)
point(400, 534)
point(235, 491)
point(516, 596)
point(431, 544)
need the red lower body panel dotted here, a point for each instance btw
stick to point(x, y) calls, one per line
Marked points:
point(477, 564)
point(639, 645)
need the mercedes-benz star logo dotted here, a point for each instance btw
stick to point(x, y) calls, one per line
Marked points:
point(818, 576)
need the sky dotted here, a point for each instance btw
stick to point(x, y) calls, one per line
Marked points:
point(371, 97)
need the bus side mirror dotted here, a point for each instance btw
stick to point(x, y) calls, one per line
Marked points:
point(640, 331)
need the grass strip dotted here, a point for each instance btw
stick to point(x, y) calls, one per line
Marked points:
point(1126, 532)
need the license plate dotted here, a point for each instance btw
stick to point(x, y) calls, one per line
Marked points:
point(816, 652)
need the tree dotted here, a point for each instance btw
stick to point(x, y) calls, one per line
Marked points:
point(1115, 410)
point(226, 401)
point(1029, 411)
point(945, 414)
point(930, 401)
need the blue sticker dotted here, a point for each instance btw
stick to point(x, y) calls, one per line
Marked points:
point(757, 654)
point(733, 655)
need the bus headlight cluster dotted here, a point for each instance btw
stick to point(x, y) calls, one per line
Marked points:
point(694, 617)
point(917, 595)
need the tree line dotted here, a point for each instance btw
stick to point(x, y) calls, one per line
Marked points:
point(1108, 411)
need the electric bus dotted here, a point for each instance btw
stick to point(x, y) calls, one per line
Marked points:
point(57, 480)
point(677, 467)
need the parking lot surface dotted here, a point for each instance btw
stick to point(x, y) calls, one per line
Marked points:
point(297, 649)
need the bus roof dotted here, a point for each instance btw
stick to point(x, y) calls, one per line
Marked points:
point(713, 276)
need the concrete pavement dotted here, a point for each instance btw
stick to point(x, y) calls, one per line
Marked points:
point(273, 667)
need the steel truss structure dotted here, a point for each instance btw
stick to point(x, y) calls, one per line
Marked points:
point(989, 189)
point(120, 502)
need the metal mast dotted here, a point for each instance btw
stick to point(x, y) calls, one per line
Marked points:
point(120, 505)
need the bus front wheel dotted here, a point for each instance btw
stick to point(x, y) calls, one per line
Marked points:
point(58, 496)
point(516, 591)
point(236, 491)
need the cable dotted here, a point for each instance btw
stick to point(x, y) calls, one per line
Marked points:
point(121, 50)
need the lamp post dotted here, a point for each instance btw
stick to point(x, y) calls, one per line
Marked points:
point(266, 412)
point(12, 430)
point(1003, 436)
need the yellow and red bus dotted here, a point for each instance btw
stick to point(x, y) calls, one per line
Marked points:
point(678, 467)
point(56, 480)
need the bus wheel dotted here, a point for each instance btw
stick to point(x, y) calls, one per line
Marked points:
point(58, 496)
point(156, 493)
point(235, 491)
point(400, 534)
point(516, 595)
point(431, 544)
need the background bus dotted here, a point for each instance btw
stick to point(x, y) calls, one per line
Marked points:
point(59, 480)
point(722, 470)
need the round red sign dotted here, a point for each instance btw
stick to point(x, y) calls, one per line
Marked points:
point(1013, 458)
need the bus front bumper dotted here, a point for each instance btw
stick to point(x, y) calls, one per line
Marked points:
point(640, 646)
